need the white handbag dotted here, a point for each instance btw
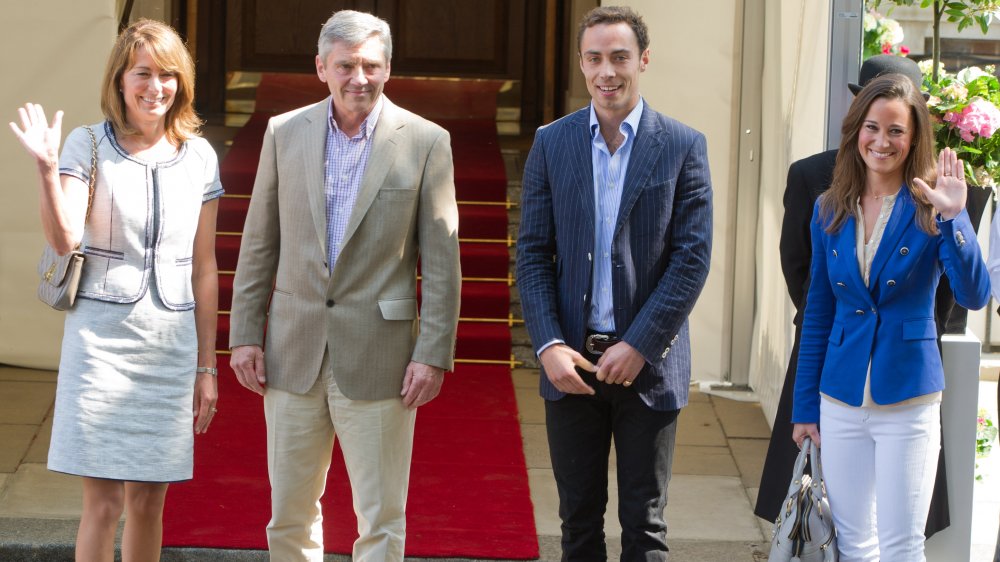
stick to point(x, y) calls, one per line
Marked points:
point(804, 529)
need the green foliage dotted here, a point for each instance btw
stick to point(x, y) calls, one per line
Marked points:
point(965, 13)
point(963, 107)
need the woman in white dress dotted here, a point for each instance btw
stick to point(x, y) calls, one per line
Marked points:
point(137, 370)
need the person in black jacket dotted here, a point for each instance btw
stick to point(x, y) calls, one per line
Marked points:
point(808, 178)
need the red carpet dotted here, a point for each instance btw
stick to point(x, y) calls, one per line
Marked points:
point(468, 488)
point(469, 491)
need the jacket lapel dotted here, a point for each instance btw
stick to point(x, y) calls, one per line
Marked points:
point(581, 162)
point(901, 218)
point(313, 143)
point(385, 144)
point(645, 151)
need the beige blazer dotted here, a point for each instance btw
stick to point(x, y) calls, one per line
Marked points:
point(365, 312)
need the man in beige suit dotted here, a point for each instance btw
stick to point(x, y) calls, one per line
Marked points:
point(349, 192)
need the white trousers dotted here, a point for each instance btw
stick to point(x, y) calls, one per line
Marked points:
point(377, 440)
point(879, 466)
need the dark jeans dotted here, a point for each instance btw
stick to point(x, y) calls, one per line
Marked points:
point(580, 429)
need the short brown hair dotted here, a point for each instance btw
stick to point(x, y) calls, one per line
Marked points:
point(168, 51)
point(607, 15)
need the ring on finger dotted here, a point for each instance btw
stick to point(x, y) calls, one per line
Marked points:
point(627, 383)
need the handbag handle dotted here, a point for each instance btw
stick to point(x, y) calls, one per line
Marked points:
point(93, 181)
point(809, 453)
point(817, 468)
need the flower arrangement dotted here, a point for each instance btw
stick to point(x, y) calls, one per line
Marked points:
point(882, 36)
point(986, 432)
point(964, 109)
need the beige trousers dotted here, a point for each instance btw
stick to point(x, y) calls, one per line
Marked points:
point(377, 440)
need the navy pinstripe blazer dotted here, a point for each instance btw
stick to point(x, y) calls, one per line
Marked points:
point(661, 248)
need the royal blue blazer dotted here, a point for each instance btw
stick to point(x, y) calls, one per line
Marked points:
point(891, 321)
point(661, 248)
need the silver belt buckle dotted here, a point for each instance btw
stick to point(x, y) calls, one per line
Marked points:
point(589, 342)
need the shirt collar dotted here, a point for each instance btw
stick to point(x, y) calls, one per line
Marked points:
point(367, 126)
point(628, 126)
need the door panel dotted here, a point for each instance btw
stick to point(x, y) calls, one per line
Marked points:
point(474, 38)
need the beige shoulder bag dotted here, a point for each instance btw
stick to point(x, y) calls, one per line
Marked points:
point(61, 274)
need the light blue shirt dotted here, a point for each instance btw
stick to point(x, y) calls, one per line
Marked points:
point(343, 167)
point(609, 177)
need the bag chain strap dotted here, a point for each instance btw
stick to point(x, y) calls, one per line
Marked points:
point(93, 180)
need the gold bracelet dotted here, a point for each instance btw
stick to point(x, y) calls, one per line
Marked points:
point(210, 370)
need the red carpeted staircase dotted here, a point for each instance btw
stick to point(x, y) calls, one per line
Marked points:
point(469, 491)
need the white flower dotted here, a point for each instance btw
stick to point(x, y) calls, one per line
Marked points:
point(893, 31)
point(870, 21)
point(969, 74)
point(983, 178)
point(926, 66)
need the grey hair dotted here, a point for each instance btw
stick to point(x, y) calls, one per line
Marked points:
point(353, 28)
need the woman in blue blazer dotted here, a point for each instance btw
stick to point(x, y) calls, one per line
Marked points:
point(869, 370)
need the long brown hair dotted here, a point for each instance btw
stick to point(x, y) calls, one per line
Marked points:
point(169, 53)
point(850, 172)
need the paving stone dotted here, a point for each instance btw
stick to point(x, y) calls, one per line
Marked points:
point(16, 439)
point(709, 461)
point(697, 425)
point(749, 455)
point(700, 507)
point(26, 375)
point(545, 499)
point(766, 527)
point(715, 551)
point(38, 452)
point(35, 492)
point(530, 406)
point(741, 419)
point(694, 395)
point(536, 446)
point(25, 402)
point(525, 378)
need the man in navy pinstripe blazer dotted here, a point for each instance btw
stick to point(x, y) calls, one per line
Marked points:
point(614, 249)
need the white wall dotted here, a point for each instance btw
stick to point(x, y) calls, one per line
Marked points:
point(793, 113)
point(52, 53)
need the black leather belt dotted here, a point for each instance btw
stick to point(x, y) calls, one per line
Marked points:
point(599, 343)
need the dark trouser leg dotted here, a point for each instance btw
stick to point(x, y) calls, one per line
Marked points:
point(579, 432)
point(644, 445)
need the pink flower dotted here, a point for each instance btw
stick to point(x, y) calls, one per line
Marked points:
point(887, 48)
point(979, 118)
point(904, 50)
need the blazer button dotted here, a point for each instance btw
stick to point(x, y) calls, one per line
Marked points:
point(904, 250)
point(859, 312)
point(891, 282)
point(841, 284)
point(329, 303)
point(835, 253)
